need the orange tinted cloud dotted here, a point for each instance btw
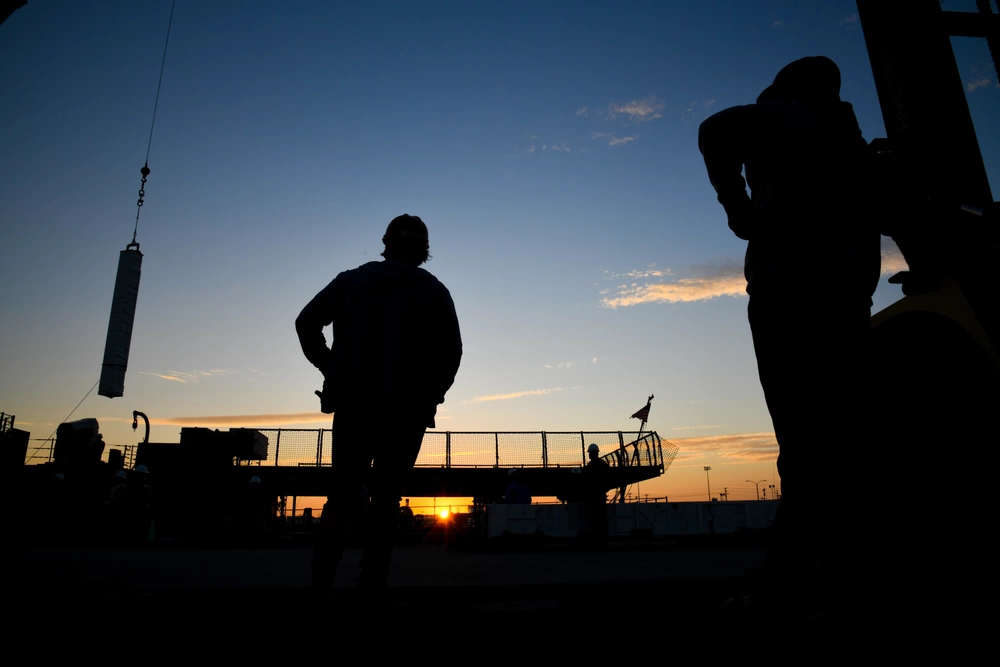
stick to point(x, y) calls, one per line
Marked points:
point(260, 420)
point(738, 446)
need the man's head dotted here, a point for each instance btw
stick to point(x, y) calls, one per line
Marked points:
point(593, 451)
point(813, 79)
point(406, 240)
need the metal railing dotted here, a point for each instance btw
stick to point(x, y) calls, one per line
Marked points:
point(490, 449)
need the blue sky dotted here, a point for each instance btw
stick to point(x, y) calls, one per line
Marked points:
point(551, 148)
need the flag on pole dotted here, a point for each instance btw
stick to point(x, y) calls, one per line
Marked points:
point(643, 414)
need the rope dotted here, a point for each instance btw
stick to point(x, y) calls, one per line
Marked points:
point(145, 167)
point(67, 417)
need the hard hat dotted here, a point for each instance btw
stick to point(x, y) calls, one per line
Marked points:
point(60, 476)
point(141, 468)
point(510, 473)
point(577, 470)
point(593, 447)
point(121, 473)
point(255, 480)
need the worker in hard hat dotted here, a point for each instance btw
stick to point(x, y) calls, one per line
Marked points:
point(140, 501)
point(596, 482)
point(395, 352)
point(116, 507)
point(517, 492)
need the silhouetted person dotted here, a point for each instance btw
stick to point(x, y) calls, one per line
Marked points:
point(395, 352)
point(139, 493)
point(406, 516)
point(812, 265)
point(117, 508)
point(517, 492)
point(595, 495)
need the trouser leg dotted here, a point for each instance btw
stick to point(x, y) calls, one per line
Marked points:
point(814, 369)
point(351, 459)
point(393, 462)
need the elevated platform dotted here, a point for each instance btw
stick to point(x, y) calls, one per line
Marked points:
point(299, 462)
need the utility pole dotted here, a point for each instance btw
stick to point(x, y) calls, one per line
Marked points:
point(757, 486)
point(709, 482)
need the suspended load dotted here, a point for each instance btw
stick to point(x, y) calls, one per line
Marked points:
point(123, 304)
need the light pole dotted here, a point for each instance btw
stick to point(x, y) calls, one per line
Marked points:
point(757, 486)
point(709, 482)
point(774, 494)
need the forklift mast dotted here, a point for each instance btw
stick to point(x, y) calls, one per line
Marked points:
point(942, 213)
point(935, 360)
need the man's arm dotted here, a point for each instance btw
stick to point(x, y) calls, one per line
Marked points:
point(317, 314)
point(450, 345)
point(722, 140)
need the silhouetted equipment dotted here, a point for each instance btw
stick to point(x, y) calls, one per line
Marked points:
point(9, 7)
point(126, 293)
point(135, 423)
point(115, 459)
point(941, 210)
point(13, 443)
point(78, 443)
point(119, 340)
point(936, 349)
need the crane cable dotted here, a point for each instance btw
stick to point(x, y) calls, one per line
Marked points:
point(145, 167)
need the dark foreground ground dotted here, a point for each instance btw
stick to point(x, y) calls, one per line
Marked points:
point(632, 591)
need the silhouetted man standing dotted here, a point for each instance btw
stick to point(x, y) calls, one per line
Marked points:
point(395, 352)
point(812, 265)
point(596, 481)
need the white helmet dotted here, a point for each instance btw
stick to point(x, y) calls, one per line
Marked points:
point(255, 480)
point(593, 448)
point(141, 468)
point(61, 477)
point(121, 474)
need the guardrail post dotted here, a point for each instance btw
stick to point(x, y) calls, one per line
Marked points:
point(624, 462)
point(496, 441)
point(545, 451)
point(277, 447)
point(447, 449)
point(319, 449)
point(583, 450)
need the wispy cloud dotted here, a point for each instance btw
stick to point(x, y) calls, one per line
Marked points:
point(191, 376)
point(981, 82)
point(516, 394)
point(743, 447)
point(638, 111)
point(582, 112)
point(562, 364)
point(706, 283)
point(892, 258)
point(776, 24)
point(563, 147)
point(708, 103)
point(850, 20)
point(621, 141)
point(649, 272)
point(596, 135)
point(259, 420)
point(696, 428)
